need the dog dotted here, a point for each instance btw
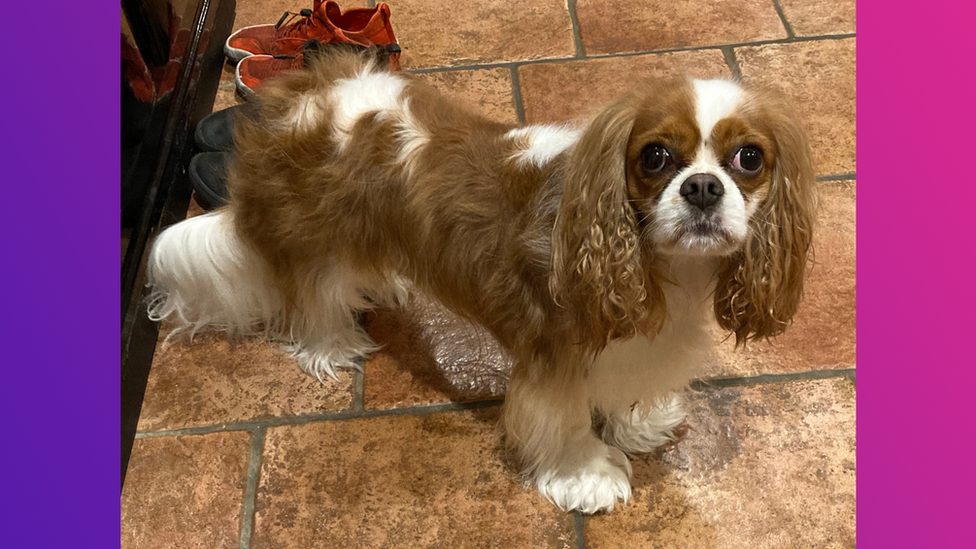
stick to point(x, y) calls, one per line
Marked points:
point(598, 256)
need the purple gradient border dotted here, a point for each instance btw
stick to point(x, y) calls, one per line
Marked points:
point(915, 265)
point(60, 231)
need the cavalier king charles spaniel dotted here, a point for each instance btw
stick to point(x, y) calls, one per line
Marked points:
point(598, 256)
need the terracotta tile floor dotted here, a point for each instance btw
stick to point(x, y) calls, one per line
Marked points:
point(238, 448)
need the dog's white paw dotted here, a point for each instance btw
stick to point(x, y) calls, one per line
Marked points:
point(635, 434)
point(320, 363)
point(594, 487)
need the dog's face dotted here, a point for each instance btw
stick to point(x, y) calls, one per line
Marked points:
point(694, 168)
point(699, 162)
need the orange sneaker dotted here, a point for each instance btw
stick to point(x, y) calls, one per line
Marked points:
point(255, 68)
point(326, 22)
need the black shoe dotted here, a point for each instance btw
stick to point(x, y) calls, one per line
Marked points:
point(215, 133)
point(208, 175)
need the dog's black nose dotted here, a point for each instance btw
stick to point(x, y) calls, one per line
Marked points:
point(702, 190)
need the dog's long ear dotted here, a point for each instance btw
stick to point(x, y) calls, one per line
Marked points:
point(759, 288)
point(598, 271)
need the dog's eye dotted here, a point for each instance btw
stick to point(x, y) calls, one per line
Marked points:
point(749, 160)
point(654, 158)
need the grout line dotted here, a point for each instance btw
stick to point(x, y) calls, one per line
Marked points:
point(506, 64)
point(357, 398)
point(371, 4)
point(782, 17)
point(479, 67)
point(732, 62)
point(250, 492)
point(718, 383)
point(325, 416)
point(227, 85)
point(853, 378)
point(517, 95)
point(697, 385)
point(578, 527)
point(837, 177)
point(574, 21)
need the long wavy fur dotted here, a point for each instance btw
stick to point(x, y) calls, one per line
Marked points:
point(599, 270)
point(760, 287)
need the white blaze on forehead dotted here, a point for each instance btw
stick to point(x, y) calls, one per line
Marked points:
point(368, 92)
point(545, 143)
point(714, 100)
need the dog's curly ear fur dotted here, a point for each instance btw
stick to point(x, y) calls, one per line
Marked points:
point(760, 287)
point(598, 271)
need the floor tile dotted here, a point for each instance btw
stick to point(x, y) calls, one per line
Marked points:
point(823, 334)
point(185, 492)
point(429, 356)
point(226, 97)
point(443, 32)
point(612, 26)
point(215, 380)
point(822, 17)
point(819, 79)
point(193, 210)
point(227, 73)
point(553, 92)
point(488, 91)
point(771, 466)
point(403, 481)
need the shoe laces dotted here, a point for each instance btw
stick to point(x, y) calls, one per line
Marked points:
point(288, 26)
point(310, 46)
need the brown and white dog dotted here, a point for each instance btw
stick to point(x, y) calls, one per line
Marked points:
point(596, 256)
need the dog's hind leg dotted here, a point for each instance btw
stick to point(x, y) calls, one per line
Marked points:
point(327, 335)
point(204, 276)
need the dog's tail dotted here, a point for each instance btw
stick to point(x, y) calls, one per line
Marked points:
point(202, 275)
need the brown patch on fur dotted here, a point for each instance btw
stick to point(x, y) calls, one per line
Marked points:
point(731, 134)
point(666, 117)
point(449, 227)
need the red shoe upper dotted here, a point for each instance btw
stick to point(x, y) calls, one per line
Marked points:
point(325, 22)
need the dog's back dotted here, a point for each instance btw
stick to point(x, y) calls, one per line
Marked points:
point(349, 174)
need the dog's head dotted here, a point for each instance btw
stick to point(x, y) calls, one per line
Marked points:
point(685, 168)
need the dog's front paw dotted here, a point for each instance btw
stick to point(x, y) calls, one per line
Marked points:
point(637, 433)
point(592, 488)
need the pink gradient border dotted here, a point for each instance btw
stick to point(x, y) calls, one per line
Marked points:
point(915, 106)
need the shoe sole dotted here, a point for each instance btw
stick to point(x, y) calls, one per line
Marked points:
point(200, 188)
point(241, 86)
point(236, 54)
point(200, 141)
